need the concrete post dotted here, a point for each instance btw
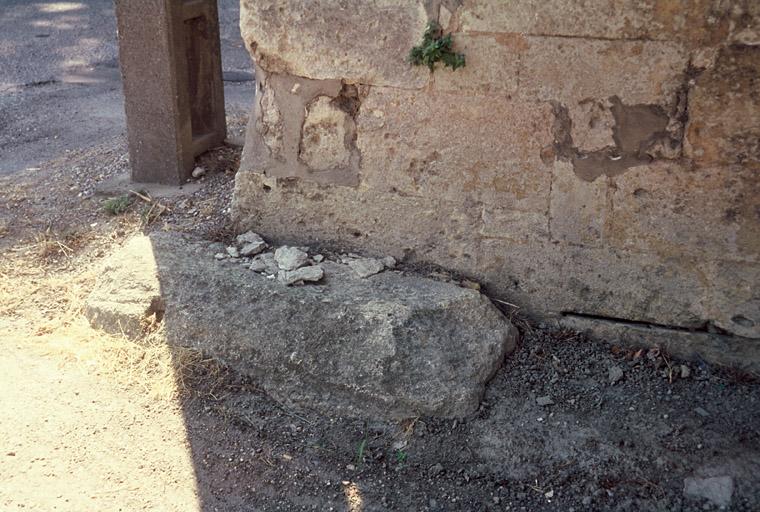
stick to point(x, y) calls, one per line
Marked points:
point(171, 68)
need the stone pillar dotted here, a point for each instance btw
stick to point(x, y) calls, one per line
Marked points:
point(174, 98)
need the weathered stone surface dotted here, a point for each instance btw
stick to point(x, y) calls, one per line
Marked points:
point(365, 267)
point(579, 209)
point(323, 136)
point(363, 42)
point(669, 209)
point(311, 273)
point(571, 71)
point(492, 65)
point(456, 148)
point(733, 302)
point(689, 20)
point(389, 346)
point(724, 109)
point(125, 298)
point(441, 232)
point(514, 225)
point(264, 263)
point(593, 124)
point(594, 158)
point(290, 258)
point(595, 281)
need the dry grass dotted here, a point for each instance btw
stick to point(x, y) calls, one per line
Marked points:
point(41, 304)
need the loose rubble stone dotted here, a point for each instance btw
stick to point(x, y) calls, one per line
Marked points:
point(389, 262)
point(248, 237)
point(365, 267)
point(311, 273)
point(544, 401)
point(264, 263)
point(318, 258)
point(685, 372)
point(717, 490)
point(233, 252)
point(702, 412)
point(253, 248)
point(395, 346)
point(198, 172)
point(615, 373)
point(290, 258)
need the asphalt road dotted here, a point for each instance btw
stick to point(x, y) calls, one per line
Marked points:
point(60, 86)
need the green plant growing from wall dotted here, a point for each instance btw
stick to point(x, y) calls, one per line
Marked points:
point(435, 47)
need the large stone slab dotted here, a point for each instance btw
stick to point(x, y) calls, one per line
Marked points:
point(388, 346)
point(362, 42)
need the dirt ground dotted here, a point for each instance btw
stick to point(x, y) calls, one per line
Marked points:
point(95, 422)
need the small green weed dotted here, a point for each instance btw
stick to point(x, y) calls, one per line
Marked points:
point(435, 47)
point(117, 205)
point(401, 456)
point(360, 451)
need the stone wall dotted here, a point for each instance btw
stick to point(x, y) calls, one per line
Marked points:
point(596, 162)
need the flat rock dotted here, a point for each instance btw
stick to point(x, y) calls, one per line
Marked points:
point(290, 258)
point(311, 273)
point(264, 263)
point(253, 248)
point(389, 347)
point(365, 267)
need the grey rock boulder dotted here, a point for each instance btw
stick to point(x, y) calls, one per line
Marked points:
point(251, 243)
point(311, 273)
point(365, 267)
point(290, 258)
point(386, 347)
point(264, 263)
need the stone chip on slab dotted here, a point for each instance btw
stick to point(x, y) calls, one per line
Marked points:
point(388, 347)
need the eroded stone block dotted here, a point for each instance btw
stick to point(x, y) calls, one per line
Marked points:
point(359, 41)
point(670, 209)
point(571, 71)
point(456, 148)
point(691, 21)
point(579, 208)
point(492, 65)
point(323, 136)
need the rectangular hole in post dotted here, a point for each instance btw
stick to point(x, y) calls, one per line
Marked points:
point(200, 73)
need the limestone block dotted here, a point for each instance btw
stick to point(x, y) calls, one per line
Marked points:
point(671, 210)
point(571, 71)
point(724, 108)
point(128, 291)
point(492, 65)
point(552, 278)
point(359, 41)
point(270, 121)
point(689, 20)
point(376, 223)
point(323, 136)
point(734, 300)
point(514, 224)
point(579, 209)
point(456, 147)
